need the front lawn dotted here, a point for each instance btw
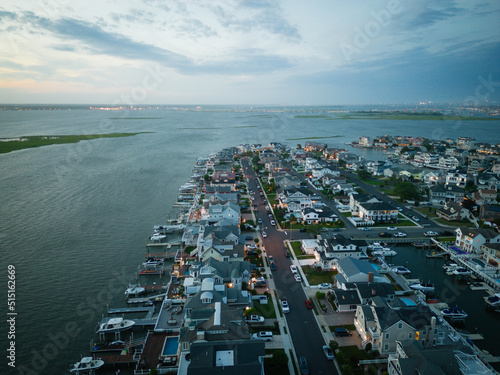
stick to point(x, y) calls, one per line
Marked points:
point(278, 363)
point(297, 249)
point(404, 223)
point(455, 223)
point(318, 277)
point(267, 311)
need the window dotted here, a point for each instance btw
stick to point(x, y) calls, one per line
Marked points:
point(400, 325)
point(386, 347)
point(387, 335)
point(410, 335)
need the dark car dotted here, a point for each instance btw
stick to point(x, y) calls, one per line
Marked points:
point(304, 367)
point(383, 234)
point(309, 304)
point(342, 332)
point(303, 230)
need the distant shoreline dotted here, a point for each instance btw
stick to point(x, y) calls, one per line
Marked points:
point(19, 143)
point(398, 116)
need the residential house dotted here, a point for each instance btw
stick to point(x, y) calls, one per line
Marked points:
point(488, 195)
point(382, 325)
point(496, 169)
point(378, 212)
point(351, 270)
point(465, 143)
point(456, 179)
point(487, 181)
point(314, 146)
point(489, 212)
point(448, 163)
point(224, 178)
point(475, 240)
point(315, 216)
point(222, 251)
point(492, 255)
point(295, 199)
point(242, 357)
point(365, 141)
point(440, 194)
point(356, 199)
point(229, 211)
point(432, 178)
point(230, 273)
point(361, 294)
point(452, 211)
point(388, 173)
point(346, 300)
point(331, 250)
point(454, 358)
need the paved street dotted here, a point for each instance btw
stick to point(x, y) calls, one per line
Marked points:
point(306, 335)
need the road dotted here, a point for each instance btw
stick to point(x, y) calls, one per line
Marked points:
point(305, 333)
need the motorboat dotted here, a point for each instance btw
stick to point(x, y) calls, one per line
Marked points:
point(87, 364)
point(401, 270)
point(153, 262)
point(454, 313)
point(134, 290)
point(114, 325)
point(423, 287)
point(462, 271)
point(450, 267)
point(157, 237)
point(493, 301)
point(386, 252)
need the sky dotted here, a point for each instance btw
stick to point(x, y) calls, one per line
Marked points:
point(319, 52)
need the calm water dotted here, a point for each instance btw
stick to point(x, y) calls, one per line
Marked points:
point(75, 217)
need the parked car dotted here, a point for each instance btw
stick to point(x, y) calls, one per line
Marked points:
point(248, 238)
point(304, 367)
point(264, 234)
point(284, 306)
point(415, 218)
point(255, 319)
point(293, 268)
point(308, 303)
point(365, 228)
point(263, 335)
point(400, 234)
point(430, 233)
point(342, 332)
point(328, 352)
point(297, 277)
point(303, 230)
point(273, 222)
point(392, 228)
point(325, 286)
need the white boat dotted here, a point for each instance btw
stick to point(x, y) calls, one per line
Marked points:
point(454, 313)
point(385, 252)
point(401, 270)
point(422, 287)
point(134, 290)
point(493, 301)
point(157, 237)
point(114, 325)
point(449, 268)
point(462, 271)
point(153, 262)
point(87, 364)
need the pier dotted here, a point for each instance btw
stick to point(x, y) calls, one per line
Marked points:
point(125, 310)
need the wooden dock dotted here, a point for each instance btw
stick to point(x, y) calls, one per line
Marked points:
point(125, 310)
point(118, 359)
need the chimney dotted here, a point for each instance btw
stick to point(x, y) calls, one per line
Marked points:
point(200, 335)
point(374, 293)
point(433, 322)
point(370, 277)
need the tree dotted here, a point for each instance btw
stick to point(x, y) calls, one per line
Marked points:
point(406, 190)
point(363, 173)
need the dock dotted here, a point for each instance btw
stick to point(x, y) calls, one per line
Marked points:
point(146, 299)
point(168, 245)
point(118, 359)
point(126, 310)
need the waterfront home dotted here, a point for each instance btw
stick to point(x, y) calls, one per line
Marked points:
point(388, 172)
point(356, 199)
point(229, 211)
point(382, 325)
point(221, 357)
point(452, 211)
point(492, 256)
point(455, 357)
point(361, 293)
point(448, 162)
point(352, 270)
point(476, 240)
point(489, 212)
point(455, 179)
point(221, 250)
point(432, 178)
point(440, 194)
point(314, 146)
point(378, 212)
point(365, 142)
point(345, 300)
point(330, 250)
point(230, 273)
point(476, 165)
point(223, 179)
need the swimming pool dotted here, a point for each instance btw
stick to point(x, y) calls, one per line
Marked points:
point(170, 346)
point(376, 267)
point(408, 302)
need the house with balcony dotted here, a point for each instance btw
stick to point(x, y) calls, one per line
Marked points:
point(476, 240)
point(230, 212)
point(351, 270)
point(448, 162)
point(456, 179)
point(382, 325)
point(492, 255)
point(378, 212)
point(487, 181)
point(440, 194)
point(223, 179)
point(355, 200)
point(318, 215)
point(295, 199)
point(230, 273)
point(330, 250)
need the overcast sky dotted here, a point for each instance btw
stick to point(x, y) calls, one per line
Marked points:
point(249, 52)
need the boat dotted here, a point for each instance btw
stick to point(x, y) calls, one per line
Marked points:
point(454, 313)
point(401, 270)
point(114, 325)
point(134, 290)
point(153, 262)
point(157, 237)
point(462, 271)
point(493, 301)
point(87, 364)
point(385, 252)
point(422, 287)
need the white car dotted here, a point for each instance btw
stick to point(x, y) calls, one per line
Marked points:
point(293, 269)
point(263, 335)
point(325, 286)
point(400, 234)
point(297, 277)
point(273, 222)
point(365, 228)
point(284, 306)
point(430, 233)
point(415, 218)
point(392, 228)
point(264, 234)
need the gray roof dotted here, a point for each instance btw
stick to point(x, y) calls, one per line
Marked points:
point(380, 206)
point(346, 297)
point(352, 267)
point(229, 269)
point(244, 355)
point(370, 290)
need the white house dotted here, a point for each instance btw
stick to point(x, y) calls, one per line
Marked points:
point(475, 240)
point(228, 211)
point(456, 179)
